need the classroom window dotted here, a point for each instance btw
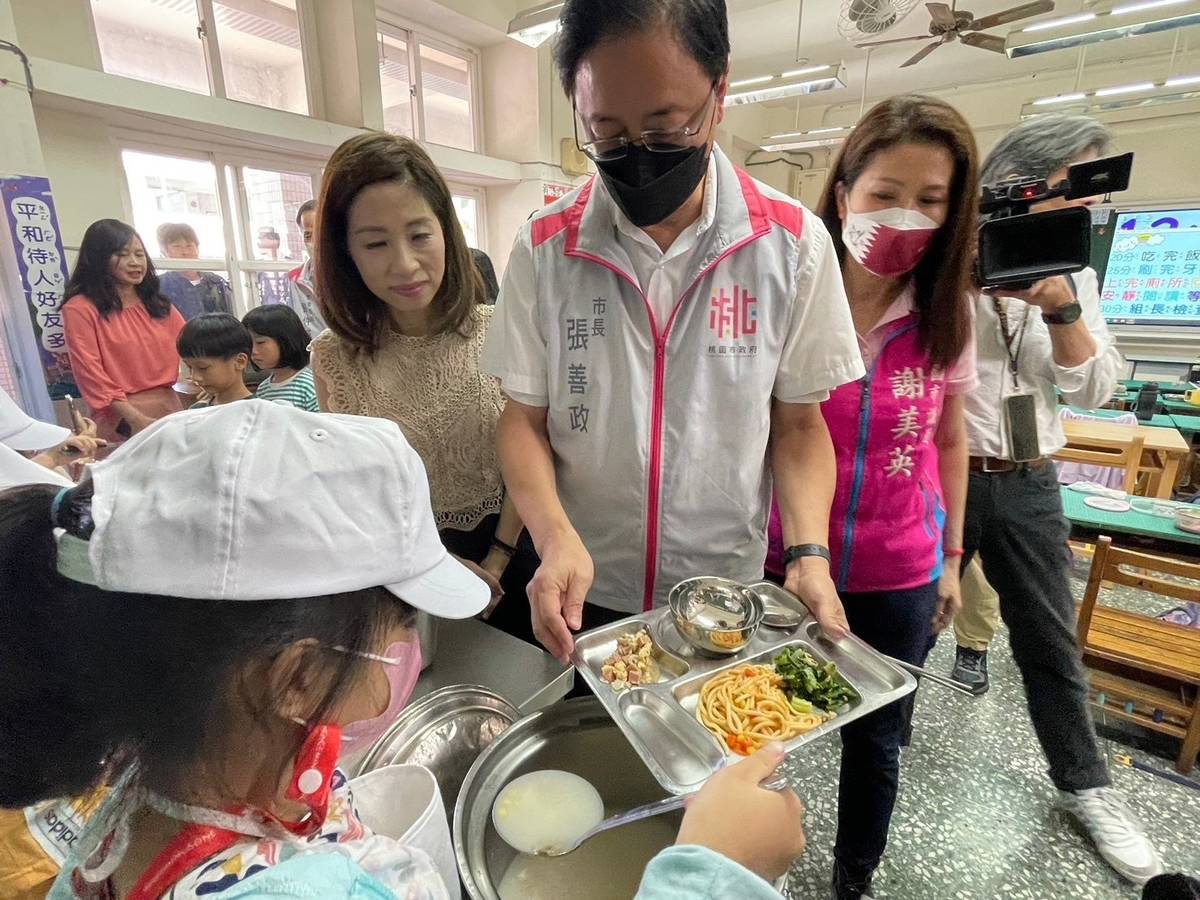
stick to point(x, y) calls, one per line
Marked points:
point(244, 217)
point(467, 206)
point(248, 50)
point(261, 57)
point(446, 98)
point(395, 84)
point(152, 41)
point(272, 200)
point(170, 189)
point(428, 89)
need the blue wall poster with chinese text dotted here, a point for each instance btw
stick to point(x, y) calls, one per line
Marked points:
point(1153, 272)
point(37, 243)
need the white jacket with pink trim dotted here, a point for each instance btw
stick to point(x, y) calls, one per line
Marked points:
point(659, 429)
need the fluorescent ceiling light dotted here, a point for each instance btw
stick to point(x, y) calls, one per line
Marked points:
point(805, 140)
point(807, 71)
point(745, 81)
point(1138, 7)
point(1125, 89)
point(1059, 23)
point(1130, 20)
point(1061, 98)
point(1173, 90)
point(780, 87)
point(537, 25)
point(797, 134)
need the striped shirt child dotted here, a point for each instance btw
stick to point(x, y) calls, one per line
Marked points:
point(300, 390)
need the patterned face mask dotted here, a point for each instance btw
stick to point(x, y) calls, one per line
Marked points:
point(888, 242)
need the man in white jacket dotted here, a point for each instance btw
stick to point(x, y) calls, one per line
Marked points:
point(660, 331)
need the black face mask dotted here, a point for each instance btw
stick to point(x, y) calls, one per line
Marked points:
point(649, 186)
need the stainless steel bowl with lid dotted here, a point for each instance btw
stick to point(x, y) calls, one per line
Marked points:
point(715, 615)
point(444, 731)
point(576, 736)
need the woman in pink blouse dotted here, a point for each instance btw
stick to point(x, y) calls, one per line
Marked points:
point(121, 332)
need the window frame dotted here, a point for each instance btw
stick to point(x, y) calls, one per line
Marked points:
point(232, 205)
point(210, 42)
point(414, 37)
point(479, 195)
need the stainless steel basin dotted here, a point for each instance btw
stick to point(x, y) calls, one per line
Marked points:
point(577, 736)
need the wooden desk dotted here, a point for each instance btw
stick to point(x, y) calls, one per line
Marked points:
point(1132, 529)
point(1159, 420)
point(1188, 426)
point(1166, 448)
point(1175, 405)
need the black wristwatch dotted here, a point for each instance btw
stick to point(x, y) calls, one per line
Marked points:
point(1064, 315)
point(797, 551)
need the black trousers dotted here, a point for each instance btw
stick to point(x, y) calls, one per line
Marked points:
point(512, 616)
point(1014, 521)
point(898, 623)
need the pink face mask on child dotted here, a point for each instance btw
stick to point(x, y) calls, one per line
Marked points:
point(402, 663)
point(888, 242)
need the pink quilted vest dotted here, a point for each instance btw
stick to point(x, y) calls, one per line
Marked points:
point(885, 528)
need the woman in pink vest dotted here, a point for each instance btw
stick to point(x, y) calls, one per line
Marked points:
point(900, 205)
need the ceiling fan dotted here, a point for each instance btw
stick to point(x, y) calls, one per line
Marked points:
point(948, 24)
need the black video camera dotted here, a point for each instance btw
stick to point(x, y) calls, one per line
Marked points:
point(1017, 247)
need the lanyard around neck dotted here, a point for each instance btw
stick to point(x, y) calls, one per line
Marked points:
point(1012, 341)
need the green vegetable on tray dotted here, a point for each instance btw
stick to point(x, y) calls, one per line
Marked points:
point(805, 680)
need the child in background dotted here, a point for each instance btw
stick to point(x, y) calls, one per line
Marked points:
point(216, 349)
point(280, 347)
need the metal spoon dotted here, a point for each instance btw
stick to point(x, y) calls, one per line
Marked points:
point(776, 616)
point(775, 783)
point(932, 676)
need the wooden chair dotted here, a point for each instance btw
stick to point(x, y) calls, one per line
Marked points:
point(1119, 454)
point(1150, 670)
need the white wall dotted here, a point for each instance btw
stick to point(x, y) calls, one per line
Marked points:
point(84, 167)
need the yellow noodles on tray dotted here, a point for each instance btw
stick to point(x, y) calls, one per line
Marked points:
point(745, 708)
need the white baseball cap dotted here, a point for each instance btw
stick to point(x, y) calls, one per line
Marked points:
point(262, 501)
point(16, 470)
point(21, 431)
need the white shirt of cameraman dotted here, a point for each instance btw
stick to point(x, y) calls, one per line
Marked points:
point(1088, 384)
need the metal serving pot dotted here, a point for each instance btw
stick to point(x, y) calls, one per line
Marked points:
point(577, 736)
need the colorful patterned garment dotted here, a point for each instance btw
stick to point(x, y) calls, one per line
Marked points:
point(371, 862)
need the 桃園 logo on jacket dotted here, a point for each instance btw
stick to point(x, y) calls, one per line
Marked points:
point(733, 323)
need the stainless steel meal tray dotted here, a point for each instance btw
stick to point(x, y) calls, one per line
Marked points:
point(659, 719)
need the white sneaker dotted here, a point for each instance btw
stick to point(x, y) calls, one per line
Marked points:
point(1115, 831)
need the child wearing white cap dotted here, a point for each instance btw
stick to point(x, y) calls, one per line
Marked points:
point(154, 644)
point(29, 440)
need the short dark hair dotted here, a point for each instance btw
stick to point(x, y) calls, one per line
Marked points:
point(281, 324)
point(942, 279)
point(145, 681)
point(92, 278)
point(170, 232)
point(306, 206)
point(487, 272)
point(701, 25)
point(352, 312)
point(214, 336)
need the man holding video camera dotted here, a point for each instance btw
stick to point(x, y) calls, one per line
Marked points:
point(1032, 343)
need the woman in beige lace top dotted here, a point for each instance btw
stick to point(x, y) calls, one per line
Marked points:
point(402, 299)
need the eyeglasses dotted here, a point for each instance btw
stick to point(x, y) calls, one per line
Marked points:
point(654, 140)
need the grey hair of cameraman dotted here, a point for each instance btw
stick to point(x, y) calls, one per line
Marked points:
point(1039, 147)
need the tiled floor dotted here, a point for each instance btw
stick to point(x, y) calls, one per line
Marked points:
point(976, 819)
